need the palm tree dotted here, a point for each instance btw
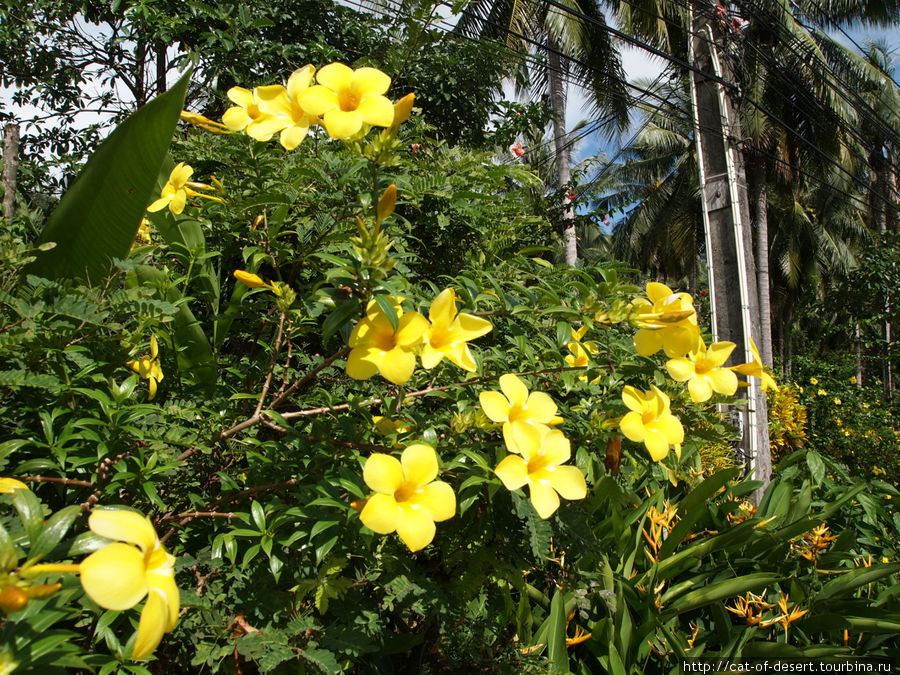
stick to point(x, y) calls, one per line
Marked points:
point(572, 44)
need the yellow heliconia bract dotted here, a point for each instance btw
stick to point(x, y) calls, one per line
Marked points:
point(650, 422)
point(254, 114)
point(540, 453)
point(703, 369)
point(377, 348)
point(755, 369)
point(666, 321)
point(119, 575)
point(516, 406)
point(10, 485)
point(148, 367)
point(407, 497)
point(449, 332)
point(255, 281)
point(346, 99)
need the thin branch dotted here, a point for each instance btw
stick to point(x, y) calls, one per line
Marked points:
point(62, 481)
point(275, 351)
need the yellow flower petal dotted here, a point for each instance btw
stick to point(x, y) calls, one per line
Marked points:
point(243, 97)
point(700, 389)
point(369, 81)
point(523, 438)
point(376, 110)
point(569, 482)
point(556, 447)
point(495, 405)
point(115, 576)
point(124, 525)
point(236, 118)
point(544, 499)
point(383, 473)
point(300, 80)
point(380, 513)
point(633, 427)
point(397, 365)
point(361, 362)
point(513, 472)
point(10, 485)
point(724, 381)
point(647, 342)
point(719, 352)
point(165, 584)
point(335, 76)
point(514, 388)
point(438, 498)
point(420, 465)
point(340, 124)
point(540, 407)
point(415, 527)
point(152, 625)
point(293, 136)
point(656, 445)
point(410, 329)
point(317, 100)
point(680, 369)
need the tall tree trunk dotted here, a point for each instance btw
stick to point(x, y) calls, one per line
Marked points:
point(733, 290)
point(879, 207)
point(560, 141)
point(756, 183)
point(160, 69)
point(10, 169)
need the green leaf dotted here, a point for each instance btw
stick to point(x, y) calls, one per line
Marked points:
point(341, 315)
point(816, 466)
point(720, 591)
point(98, 217)
point(388, 308)
point(846, 583)
point(556, 636)
point(30, 513)
point(55, 529)
point(259, 515)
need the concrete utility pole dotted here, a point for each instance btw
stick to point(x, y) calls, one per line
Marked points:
point(733, 294)
point(10, 168)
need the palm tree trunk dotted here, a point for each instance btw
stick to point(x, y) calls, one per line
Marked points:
point(756, 181)
point(560, 140)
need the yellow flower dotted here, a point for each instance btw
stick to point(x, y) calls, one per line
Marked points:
point(407, 497)
point(667, 320)
point(755, 369)
point(541, 451)
point(822, 392)
point(377, 348)
point(346, 99)
point(813, 380)
point(178, 188)
point(837, 401)
point(287, 108)
point(148, 367)
point(254, 114)
point(704, 371)
point(119, 575)
point(579, 357)
point(10, 485)
point(515, 407)
point(255, 281)
point(143, 233)
point(650, 422)
point(449, 332)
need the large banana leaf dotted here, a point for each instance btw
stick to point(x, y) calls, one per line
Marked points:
point(98, 217)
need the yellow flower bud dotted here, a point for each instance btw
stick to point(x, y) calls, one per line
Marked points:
point(402, 109)
point(387, 202)
point(12, 599)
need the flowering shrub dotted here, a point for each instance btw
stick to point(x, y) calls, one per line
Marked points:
point(322, 395)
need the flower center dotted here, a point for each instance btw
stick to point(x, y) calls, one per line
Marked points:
point(406, 491)
point(348, 100)
point(253, 111)
point(538, 463)
point(386, 341)
point(517, 411)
